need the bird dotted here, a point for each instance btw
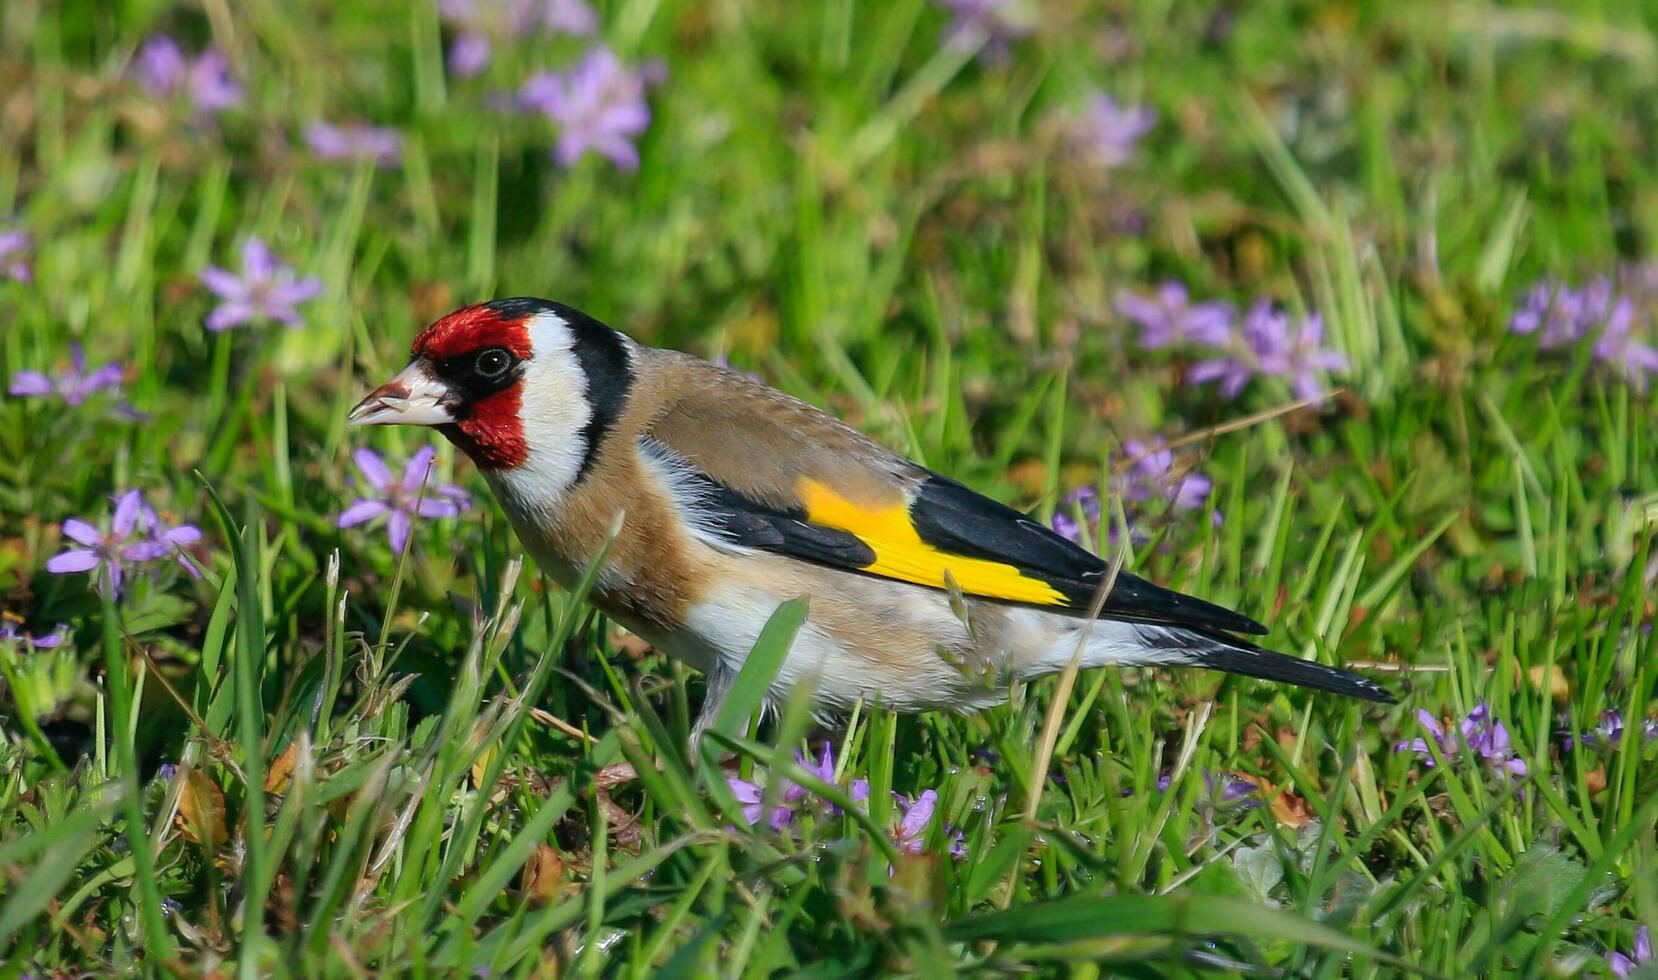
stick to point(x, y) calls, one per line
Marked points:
point(732, 497)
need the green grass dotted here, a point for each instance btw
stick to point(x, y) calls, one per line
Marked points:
point(365, 759)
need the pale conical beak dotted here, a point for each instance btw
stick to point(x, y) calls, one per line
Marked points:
point(414, 397)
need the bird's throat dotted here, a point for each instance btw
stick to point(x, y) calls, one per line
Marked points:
point(491, 432)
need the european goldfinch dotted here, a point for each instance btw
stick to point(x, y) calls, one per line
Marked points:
point(738, 497)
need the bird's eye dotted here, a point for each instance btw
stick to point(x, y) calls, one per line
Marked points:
point(492, 363)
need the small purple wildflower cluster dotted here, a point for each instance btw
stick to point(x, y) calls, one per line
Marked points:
point(598, 106)
point(792, 796)
point(1641, 954)
point(14, 256)
point(990, 26)
point(1266, 342)
point(479, 24)
point(909, 832)
point(1150, 480)
point(1608, 732)
point(1105, 133)
point(1613, 318)
point(355, 141)
point(266, 290)
point(1481, 734)
point(133, 535)
point(72, 386)
point(1225, 790)
point(13, 634)
point(402, 498)
point(163, 70)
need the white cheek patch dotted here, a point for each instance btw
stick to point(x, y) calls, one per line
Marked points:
point(553, 411)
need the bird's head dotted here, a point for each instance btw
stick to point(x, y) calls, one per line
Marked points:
point(519, 384)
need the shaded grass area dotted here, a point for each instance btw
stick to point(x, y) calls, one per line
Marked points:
point(324, 756)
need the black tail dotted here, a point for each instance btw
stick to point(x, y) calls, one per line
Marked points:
point(1218, 651)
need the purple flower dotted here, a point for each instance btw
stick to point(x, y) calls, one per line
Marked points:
point(266, 290)
point(752, 795)
point(824, 767)
point(166, 772)
point(1225, 791)
point(14, 263)
point(163, 70)
point(74, 386)
point(210, 85)
point(403, 498)
point(1273, 344)
point(915, 816)
point(480, 22)
point(171, 540)
point(1561, 315)
point(469, 55)
point(1084, 501)
point(1485, 736)
point(1106, 134)
point(1608, 314)
point(573, 17)
point(355, 141)
point(990, 23)
point(1489, 738)
point(135, 535)
point(1623, 966)
point(1608, 731)
point(11, 631)
point(1442, 736)
point(1152, 475)
point(1618, 348)
point(598, 105)
point(1168, 317)
point(160, 65)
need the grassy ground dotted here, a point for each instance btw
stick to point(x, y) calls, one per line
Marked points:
point(323, 756)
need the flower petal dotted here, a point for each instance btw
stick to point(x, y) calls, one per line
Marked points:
point(81, 532)
point(184, 534)
point(30, 384)
point(362, 510)
point(223, 283)
point(293, 293)
point(227, 315)
point(417, 469)
point(918, 816)
point(73, 560)
point(397, 531)
point(52, 640)
point(258, 263)
point(429, 508)
point(144, 551)
point(373, 468)
point(127, 508)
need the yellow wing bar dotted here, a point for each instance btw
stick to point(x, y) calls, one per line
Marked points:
point(901, 554)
